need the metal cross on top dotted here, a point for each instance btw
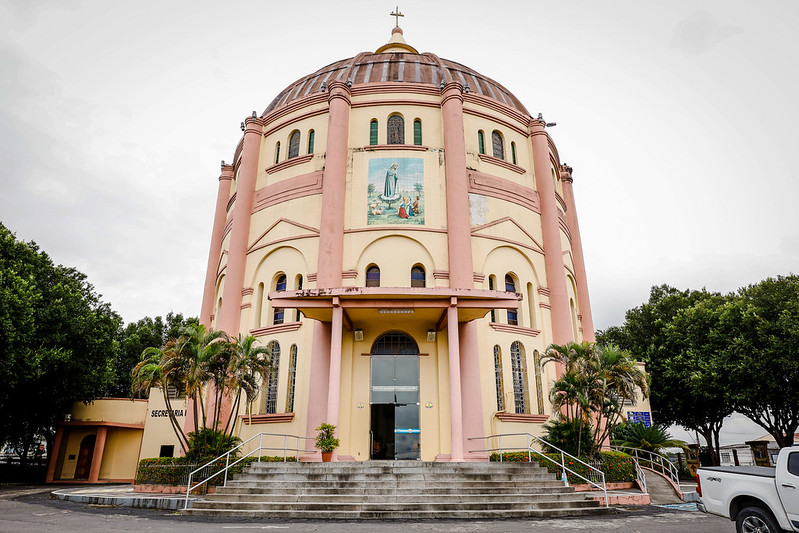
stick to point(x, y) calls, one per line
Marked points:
point(396, 14)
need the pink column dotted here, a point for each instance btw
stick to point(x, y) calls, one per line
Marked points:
point(553, 258)
point(240, 233)
point(220, 216)
point(583, 302)
point(334, 382)
point(472, 395)
point(459, 238)
point(53, 457)
point(318, 383)
point(456, 407)
point(331, 227)
point(97, 456)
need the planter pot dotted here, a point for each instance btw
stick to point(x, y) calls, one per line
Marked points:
point(327, 457)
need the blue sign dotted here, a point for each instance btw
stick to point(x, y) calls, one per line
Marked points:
point(407, 431)
point(641, 417)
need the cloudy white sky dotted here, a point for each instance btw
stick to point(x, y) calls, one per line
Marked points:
point(678, 118)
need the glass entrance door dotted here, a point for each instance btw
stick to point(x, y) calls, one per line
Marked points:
point(394, 398)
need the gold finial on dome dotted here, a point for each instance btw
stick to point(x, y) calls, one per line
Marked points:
point(397, 42)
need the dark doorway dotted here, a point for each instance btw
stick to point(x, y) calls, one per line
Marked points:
point(85, 455)
point(394, 398)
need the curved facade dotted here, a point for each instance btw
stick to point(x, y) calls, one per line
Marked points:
point(403, 233)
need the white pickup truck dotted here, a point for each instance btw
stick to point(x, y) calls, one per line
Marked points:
point(760, 499)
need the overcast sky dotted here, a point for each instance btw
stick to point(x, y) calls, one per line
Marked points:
point(678, 118)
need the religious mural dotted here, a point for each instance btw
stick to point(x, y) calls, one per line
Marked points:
point(395, 194)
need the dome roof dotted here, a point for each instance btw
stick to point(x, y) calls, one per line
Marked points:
point(392, 63)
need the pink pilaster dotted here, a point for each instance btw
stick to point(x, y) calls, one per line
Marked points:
point(318, 382)
point(331, 227)
point(472, 396)
point(583, 302)
point(459, 238)
point(456, 406)
point(230, 313)
point(334, 383)
point(97, 456)
point(54, 452)
point(220, 216)
point(553, 258)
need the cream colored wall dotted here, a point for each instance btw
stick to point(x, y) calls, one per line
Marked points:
point(119, 456)
point(157, 428)
point(472, 124)
point(395, 255)
point(119, 410)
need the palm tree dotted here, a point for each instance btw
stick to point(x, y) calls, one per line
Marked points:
point(249, 366)
point(653, 438)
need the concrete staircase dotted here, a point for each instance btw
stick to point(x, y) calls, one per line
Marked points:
point(395, 489)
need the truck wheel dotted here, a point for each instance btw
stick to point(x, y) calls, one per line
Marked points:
point(756, 520)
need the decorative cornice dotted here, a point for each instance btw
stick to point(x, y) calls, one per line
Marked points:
point(349, 274)
point(502, 163)
point(293, 120)
point(312, 277)
point(503, 189)
point(524, 418)
point(478, 278)
point(294, 161)
point(441, 274)
point(228, 227)
point(561, 201)
point(288, 189)
point(270, 418)
point(543, 291)
point(230, 203)
point(245, 306)
point(413, 147)
point(279, 328)
point(544, 305)
point(493, 118)
point(395, 102)
point(517, 330)
point(247, 291)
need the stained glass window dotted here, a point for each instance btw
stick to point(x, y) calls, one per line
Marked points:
point(417, 277)
point(291, 378)
point(294, 144)
point(519, 370)
point(373, 276)
point(497, 145)
point(396, 130)
point(270, 401)
point(279, 313)
point(513, 315)
point(498, 378)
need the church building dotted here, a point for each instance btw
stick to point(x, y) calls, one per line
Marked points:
point(401, 232)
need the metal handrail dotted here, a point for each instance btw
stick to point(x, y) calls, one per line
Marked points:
point(654, 460)
point(228, 464)
point(563, 455)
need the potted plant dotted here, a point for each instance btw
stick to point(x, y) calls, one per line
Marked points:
point(326, 441)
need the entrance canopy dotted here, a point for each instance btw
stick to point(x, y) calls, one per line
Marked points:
point(366, 303)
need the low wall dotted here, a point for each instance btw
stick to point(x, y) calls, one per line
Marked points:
point(165, 489)
point(584, 487)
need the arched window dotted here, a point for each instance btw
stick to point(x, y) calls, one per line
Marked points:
point(373, 132)
point(259, 302)
point(277, 152)
point(498, 378)
point(417, 276)
point(519, 369)
point(311, 135)
point(299, 288)
point(417, 132)
point(491, 286)
point(395, 130)
point(481, 142)
point(395, 343)
point(292, 377)
point(513, 152)
point(538, 389)
point(373, 276)
point(270, 380)
point(498, 145)
point(510, 286)
point(294, 144)
point(279, 312)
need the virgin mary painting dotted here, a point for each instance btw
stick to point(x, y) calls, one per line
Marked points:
point(390, 186)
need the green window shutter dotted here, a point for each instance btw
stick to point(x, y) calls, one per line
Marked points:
point(481, 144)
point(310, 141)
point(417, 132)
point(513, 151)
point(373, 132)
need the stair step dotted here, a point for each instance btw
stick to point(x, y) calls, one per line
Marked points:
point(415, 515)
point(334, 499)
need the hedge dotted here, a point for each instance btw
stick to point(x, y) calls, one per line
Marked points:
point(618, 467)
point(175, 470)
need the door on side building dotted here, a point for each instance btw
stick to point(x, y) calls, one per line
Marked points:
point(394, 397)
point(85, 454)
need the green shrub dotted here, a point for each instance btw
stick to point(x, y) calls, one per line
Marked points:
point(207, 442)
point(571, 436)
point(175, 470)
point(618, 467)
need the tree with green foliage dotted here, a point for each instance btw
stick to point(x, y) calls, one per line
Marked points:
point(58, 342)
point(678, 335)
point(653, 438)
point(763, 355)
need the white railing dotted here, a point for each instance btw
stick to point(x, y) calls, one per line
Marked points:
point(259, 449)
point(653, 461)
point(595, 472)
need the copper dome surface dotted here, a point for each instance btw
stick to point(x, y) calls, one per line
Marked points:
point(392, 67)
